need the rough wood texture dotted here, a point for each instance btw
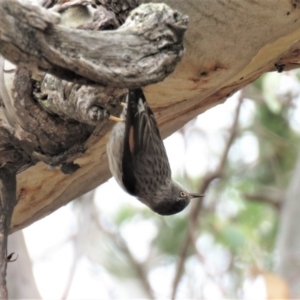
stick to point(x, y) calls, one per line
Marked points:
point(148, 44)
point(228, 44)
point(7, 203)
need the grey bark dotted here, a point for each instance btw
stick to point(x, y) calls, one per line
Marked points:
point(8, 201)
point(228, 44)
point(288, 241)
point(20, 281)
point(43, 118)
point(142, 51)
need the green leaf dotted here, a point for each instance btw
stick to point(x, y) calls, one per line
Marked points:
point(270, 83)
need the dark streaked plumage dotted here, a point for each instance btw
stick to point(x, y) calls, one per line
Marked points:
point(138, 159)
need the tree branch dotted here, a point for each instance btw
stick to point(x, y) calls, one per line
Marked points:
point(122, 245)
point(202, 261)
point(143, 51)
point(7, 204)
point(195, 210)
point(273, 198)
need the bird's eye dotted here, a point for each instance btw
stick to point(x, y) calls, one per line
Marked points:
point(182, 194)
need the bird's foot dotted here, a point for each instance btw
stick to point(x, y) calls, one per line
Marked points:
point(116, 119)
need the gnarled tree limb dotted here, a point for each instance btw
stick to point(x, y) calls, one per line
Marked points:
point(44, 118)
point(143, 51)
point(8, 201)
point(228, 45)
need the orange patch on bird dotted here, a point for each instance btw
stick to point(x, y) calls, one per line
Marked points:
point(131, 143)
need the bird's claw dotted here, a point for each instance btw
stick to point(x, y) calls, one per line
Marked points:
point(116, 119)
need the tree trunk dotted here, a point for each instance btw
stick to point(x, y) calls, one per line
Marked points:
point(288, 241)
point(7, 203)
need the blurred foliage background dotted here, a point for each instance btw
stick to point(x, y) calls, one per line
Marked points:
point(242, 155)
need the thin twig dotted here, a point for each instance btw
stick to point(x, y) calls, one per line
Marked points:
point(196, 208)
point(272, 136)
point(77, 256)
point(83, 230)
point(122, 245)
point(202, 260)
point(272, 199)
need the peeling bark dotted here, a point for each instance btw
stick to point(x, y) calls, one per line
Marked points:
point(44, 118)
point(144, 50)
point(87, 104)
point(53, 119)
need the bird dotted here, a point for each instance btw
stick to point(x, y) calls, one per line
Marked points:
point(139, 162)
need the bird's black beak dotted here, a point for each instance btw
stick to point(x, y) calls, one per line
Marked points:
point(195, 195)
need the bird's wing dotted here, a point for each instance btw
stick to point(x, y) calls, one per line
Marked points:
point(148, 147)
point(128, 178)
point(143, 146)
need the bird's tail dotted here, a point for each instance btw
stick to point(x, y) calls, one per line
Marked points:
point(137, 102)
point(136, 99)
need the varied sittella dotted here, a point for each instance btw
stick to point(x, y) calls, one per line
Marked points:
point(139, 162)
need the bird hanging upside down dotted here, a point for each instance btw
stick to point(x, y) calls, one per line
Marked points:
point(139, 162)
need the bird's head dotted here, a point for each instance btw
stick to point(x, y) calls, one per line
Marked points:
point(173, 200)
